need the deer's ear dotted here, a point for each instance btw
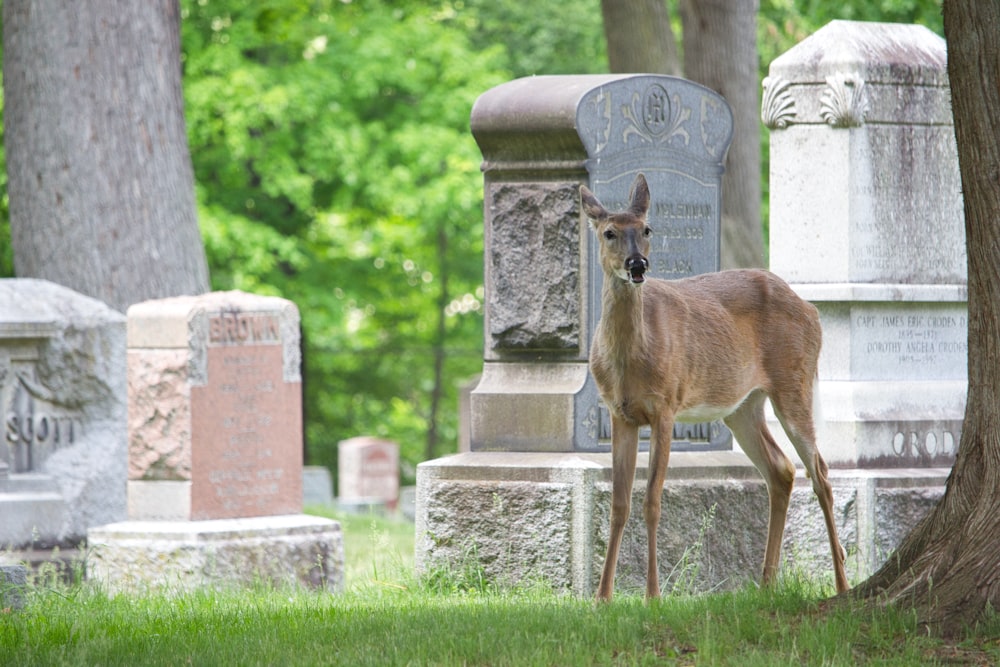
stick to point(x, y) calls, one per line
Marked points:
point(639, 196)
point(593, 208)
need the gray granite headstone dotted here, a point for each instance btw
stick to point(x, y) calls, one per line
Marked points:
point(541, 137)
point(62, 414)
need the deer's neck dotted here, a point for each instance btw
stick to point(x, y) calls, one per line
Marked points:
point(621, 332)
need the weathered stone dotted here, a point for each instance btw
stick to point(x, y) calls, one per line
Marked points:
point(62, 412)
point(534, 294)
point(515, 531)
point(159, 415)
point(864, 175)
point(215, 486)
point(175, 556)
point(544, 516)
point(867, 223)
point(13, 582)
point(317, 486)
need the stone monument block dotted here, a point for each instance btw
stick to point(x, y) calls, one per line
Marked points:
point(62, 414)
point(215, 407)
point(541, 137)
point(867, 223)
point(368, 471)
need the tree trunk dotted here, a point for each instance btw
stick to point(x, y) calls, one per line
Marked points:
point(639, 37)
point(720, 51)
point(100, 180)
point(948, 568)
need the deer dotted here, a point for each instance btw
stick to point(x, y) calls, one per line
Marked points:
point(711, 346)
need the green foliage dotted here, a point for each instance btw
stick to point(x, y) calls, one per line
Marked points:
point(540, 37)
point(335, 168)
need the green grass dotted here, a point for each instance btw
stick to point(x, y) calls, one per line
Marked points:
point(387, 616)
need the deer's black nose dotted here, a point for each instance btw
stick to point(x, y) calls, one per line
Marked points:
point(636, 265)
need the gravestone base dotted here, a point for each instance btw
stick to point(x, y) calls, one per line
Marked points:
point(544, 516)
point(317, 486)
point(284, 550)
point(32, 508)
point(13, 582)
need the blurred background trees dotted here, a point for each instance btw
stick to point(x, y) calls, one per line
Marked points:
point(334, 167)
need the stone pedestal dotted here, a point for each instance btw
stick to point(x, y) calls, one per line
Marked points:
point(867, 223)
point(62, 415)
point(215, 437)
point(544, 516)
point(174, 556)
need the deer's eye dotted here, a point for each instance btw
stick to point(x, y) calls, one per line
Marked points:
point(609, 235)
point(647, 232)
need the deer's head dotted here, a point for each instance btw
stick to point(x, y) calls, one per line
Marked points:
point(623, 237)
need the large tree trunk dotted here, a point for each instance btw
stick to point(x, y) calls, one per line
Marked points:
point(639, 37)
point(720, 51)
point(948, 568)
point(99, 175)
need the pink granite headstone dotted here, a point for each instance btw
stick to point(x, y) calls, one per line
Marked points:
point(368, 470)
point(215, 407)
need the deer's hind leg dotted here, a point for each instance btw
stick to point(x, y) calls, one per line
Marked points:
point(795, 412)
point(750, 429)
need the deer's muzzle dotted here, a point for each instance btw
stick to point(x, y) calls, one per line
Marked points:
point(636, 266)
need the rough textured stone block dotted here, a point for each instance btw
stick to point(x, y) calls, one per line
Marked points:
point(295, 550)
point(533, 515)
point(516, 531)
point(13, 581)
point(534, 295)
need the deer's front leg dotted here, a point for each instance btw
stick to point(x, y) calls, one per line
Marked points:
point(624, 446)
point(659, 454)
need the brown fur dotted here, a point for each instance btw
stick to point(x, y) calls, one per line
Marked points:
point(708, 347)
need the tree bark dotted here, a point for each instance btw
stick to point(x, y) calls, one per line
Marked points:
point(948, 568)
point(100, 180)
point(639, 37)
point(720, 51)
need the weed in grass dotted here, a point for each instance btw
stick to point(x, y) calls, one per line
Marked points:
point(683, 578)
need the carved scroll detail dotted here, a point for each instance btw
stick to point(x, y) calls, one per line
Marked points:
point(844, 102)
point(777, 107)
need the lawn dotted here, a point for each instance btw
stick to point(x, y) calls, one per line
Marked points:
point(389, 616)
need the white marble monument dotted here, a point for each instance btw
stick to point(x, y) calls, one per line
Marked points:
point(867, 223)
